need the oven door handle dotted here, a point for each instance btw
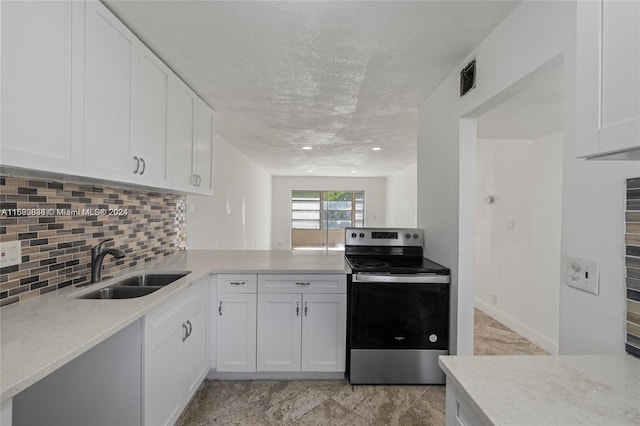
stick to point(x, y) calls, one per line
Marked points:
point(408, 278)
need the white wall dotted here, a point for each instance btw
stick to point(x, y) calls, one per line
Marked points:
point(402, 193)
point(592, 220)
point(238, 216)
point(520, 266)
point(374, 201)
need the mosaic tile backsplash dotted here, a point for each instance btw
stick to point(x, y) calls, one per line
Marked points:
point(58, 223)
point(632, 249)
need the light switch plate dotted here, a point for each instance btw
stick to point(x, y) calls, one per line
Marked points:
point(10, 253)
point(583, 274)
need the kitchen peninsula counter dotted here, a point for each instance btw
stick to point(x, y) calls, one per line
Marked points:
point(40, 335)
point(542, 390)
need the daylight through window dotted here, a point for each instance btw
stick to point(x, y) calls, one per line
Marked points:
point(318, 218)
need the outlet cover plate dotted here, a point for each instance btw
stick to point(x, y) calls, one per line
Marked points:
point(583, 274)
point(10, 253)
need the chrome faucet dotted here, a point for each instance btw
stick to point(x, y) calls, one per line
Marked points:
point(97, 257)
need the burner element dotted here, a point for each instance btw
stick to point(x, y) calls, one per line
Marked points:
point(370, 263)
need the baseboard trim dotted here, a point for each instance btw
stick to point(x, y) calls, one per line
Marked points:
point(536, 338)
point(274, 375)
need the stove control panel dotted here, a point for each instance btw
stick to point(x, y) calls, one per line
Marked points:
point(395, 237)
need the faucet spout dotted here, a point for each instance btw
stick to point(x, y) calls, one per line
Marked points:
point(97, 259)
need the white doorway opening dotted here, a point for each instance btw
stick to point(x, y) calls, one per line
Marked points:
point(516, 184)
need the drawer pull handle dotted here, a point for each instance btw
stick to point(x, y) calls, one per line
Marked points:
point(137, 160)
point(220, 309)
point(190, 328)
point(186, 332)
point(297, 309)
point(237, 283)
point(306, 309)
point(303, 283)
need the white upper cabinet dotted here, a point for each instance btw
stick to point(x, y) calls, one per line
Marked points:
point(203, 150)
point(608, 79)
point(110, 77)
point(42, 85)
point(149, 148)
point(180, 135)
point(81, 95)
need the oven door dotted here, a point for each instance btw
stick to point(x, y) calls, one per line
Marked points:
point(399, 312)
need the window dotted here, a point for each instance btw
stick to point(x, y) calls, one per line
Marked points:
point(318, 218)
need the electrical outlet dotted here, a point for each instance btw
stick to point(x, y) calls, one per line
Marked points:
point(583, 274)
point(494, 299)
point(10, 253)
point(510, 224)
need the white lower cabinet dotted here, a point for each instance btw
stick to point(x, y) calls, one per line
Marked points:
point(301, 323)
point(235, 312)
point(279, 332)
point(175, 354)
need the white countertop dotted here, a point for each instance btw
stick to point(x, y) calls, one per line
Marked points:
point(549, 390)
point(40, 335)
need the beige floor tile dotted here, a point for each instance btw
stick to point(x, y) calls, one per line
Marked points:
point(379, 404)
point(336, 402)
point(333, 414)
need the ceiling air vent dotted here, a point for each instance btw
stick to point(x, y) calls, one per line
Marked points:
point(468, 78)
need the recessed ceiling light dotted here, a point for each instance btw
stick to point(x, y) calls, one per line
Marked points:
point(376, 148)
point(353, 171)
point(307, 148)
point(309, 171)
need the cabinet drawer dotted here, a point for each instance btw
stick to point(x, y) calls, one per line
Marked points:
point(302, 283)
point(237, 283)
point(163, 317)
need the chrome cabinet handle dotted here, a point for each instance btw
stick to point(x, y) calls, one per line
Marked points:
point(297, 309)
point(194, 180)
point(303, 283)
point(220, 308)
point(199, 180)
point(144, 166)
point(190, 328)
point(306, 309)
point(186, 332)
point(137, 160)
point(237, 283)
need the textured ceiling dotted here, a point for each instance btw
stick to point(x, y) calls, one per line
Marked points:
point(341, 77)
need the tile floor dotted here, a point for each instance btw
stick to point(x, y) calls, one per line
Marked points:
point(325, 402)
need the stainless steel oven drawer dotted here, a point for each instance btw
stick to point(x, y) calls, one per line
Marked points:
point(392, 366)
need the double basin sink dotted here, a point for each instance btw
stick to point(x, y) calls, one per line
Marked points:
point(135, 286)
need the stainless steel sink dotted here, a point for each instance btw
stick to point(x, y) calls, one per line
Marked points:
point(135, 286)
point(149, 280)
point(120, 292)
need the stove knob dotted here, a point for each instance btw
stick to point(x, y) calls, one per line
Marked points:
point(354, 235)
point(433, 338)
point(407, 236)
point(415, 235)
point(362, 235)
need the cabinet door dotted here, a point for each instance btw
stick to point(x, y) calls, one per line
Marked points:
point(620, 121)
point(607, 77)
point(203, 152)
point(181, 111)
point(110, 70)
point(193, 353)
point(324, 326)
point(42, 85)
point(149, 147)
point(162, 402)
point(236, 332)
point(279, 332)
